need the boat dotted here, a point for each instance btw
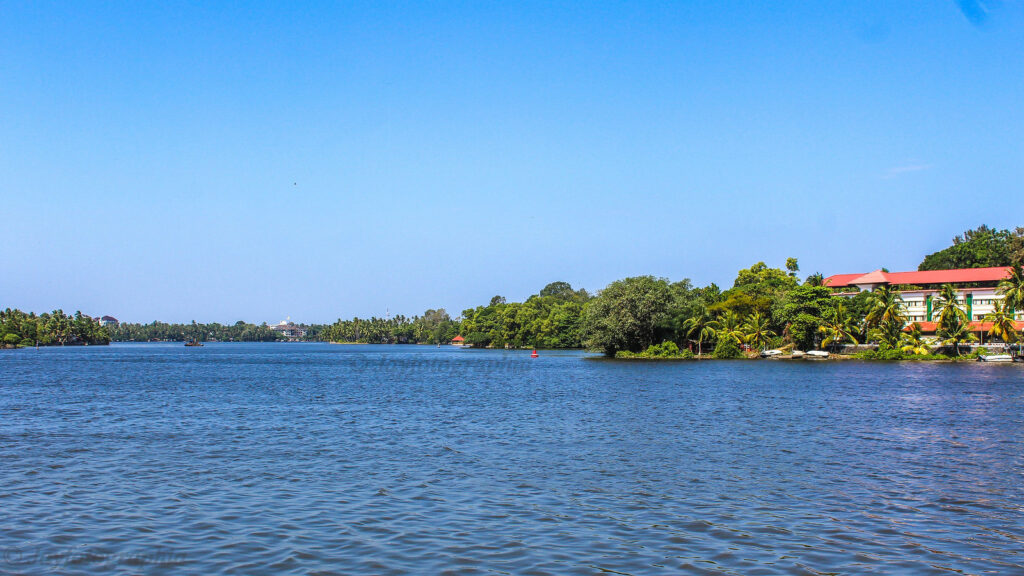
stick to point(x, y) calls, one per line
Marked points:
point(771, 353)
point(995, 358)
point(817, 354)
point(193, 342)
point(798, 354)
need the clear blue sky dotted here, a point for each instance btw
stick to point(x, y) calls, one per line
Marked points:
point(175, 161)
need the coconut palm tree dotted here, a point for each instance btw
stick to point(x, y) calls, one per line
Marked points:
point(956, 332)
point(913, 341)
point(730, 325)
point(702, 326)
point(887, 334)
point(839, 327)
point(886, 305)
point(1002, 323)
point(756, 332)
point(947, 307)
point(1012, 289)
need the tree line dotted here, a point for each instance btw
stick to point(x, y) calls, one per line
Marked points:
point(771, 308)
point(764, 308)
point(433, 327)
point(25, 329)
point(157, 331)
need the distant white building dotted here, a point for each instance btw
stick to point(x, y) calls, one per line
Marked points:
point(289, 330)
point(108, 321)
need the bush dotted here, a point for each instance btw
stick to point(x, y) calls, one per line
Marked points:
point(665, 350)
point(11, 339)
point(28, 342)
point(886, 353)
point(727, 348)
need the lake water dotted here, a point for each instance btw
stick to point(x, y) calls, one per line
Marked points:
point(321, 459)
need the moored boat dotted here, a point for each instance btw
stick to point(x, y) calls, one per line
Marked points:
point(995, 358)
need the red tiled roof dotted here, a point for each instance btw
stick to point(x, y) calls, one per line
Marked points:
point(924, 277)
point(458, 339)
point(840, 280)
point(876, 277)
point(973, 326)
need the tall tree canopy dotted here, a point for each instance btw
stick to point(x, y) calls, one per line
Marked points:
point(626, 314)
point(982, 247)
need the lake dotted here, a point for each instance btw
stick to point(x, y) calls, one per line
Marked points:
point(325, 459)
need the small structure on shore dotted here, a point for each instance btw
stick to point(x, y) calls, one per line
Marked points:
point(458, 341)
point(291, 332)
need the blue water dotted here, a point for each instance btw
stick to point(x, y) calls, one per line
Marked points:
point(321, 459)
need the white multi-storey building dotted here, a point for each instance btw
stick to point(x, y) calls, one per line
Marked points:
point(976, 289)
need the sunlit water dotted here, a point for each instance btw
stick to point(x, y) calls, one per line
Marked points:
point(320, 459)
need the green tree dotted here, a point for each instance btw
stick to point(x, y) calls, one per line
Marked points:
point(625, 314)
point(1012, 290)
point(912, 341)
point(756, 332)
point(727, 349)
point(955, 332)
point(982, 247)
point(729, 326)
point(1002, 324)
point(839, 327)
point(948, 307)
point(700, 328)
point(886, 307)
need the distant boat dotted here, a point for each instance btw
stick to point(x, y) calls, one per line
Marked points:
point(817, 354)
point(995, 358)
point(193, 342)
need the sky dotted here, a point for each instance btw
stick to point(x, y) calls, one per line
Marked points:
point(253, 161)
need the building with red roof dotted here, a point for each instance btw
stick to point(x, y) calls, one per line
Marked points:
point(976, 288)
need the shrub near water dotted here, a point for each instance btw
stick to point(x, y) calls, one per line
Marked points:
point(727, 349)
point(666, 350)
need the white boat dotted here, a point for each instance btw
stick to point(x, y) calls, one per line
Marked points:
point(798, 354)
point(817, 354)
point(995, 358)
point(771, 353)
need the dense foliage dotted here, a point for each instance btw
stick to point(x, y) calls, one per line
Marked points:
point(983, 247)
point(550, 319)
point(433, 327)
point(164, 332)
point(18, 328)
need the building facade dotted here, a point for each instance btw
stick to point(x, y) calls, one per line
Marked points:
point(977, 292)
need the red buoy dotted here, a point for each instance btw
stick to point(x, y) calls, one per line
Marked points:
point(534, 355)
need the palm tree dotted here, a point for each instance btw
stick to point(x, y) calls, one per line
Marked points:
point(838, 328)
point(730, 325)
point(887, 334)
point(956, 332)
point(702, 325)
point(1002, 323)
point(913, 341)
point(1012, 289)
point(947, 307)
point(757, 333)
point(886, 307)
point(815, 279)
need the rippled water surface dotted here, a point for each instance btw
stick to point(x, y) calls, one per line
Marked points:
point(320, 459)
